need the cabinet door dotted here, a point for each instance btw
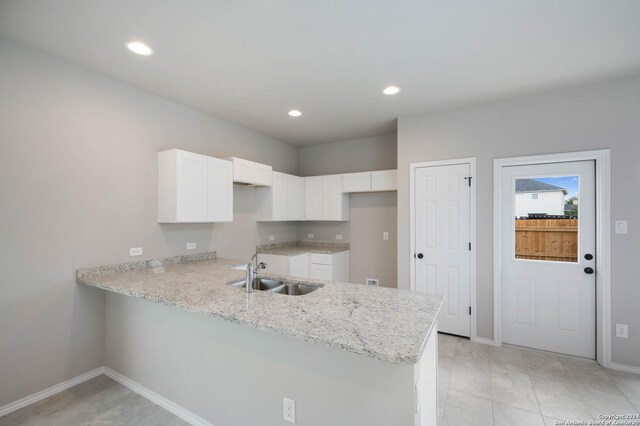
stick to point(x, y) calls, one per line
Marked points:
point(332, 197)
point(262, 175)
point(279, 194)
point(191, 187)
point(313, 197)
point(320, 272)
point(384, 180)
point(295, 198)
point(299, 265)
point(242, 170)
point(219, 190)
point(356, 182)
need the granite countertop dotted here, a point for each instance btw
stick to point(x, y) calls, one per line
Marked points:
point(386, 324)
point(294, 248)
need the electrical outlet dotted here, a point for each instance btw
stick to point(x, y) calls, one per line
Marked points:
point(385, 235)
point(373, 281)
point(191, 246)
point(311, 236)
point(272, 237)
point(289, 410)
point(135, 251)
point(338, 236)
point(622, 330)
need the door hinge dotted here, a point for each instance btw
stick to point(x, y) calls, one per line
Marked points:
point(469, 310)
point(469, 246)
point(468, 178)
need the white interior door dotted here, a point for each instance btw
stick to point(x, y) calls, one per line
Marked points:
point(548, 279)
point(442, 242)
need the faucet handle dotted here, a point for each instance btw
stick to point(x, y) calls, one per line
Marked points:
point(261, 265)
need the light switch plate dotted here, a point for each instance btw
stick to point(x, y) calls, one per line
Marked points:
point(385, 236)
point(135, 251)
point(621, 226)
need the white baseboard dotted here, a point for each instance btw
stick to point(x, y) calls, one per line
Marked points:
point(160, 400)
point(484, 341)
point(39, 396)
point(624, 367)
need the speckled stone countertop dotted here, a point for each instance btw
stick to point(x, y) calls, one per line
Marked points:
point(385, 324)
point(294, 248)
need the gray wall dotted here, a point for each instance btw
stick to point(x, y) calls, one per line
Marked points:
point(78, 178)
point(237, 375)
point(597, 116)
point(371, 213)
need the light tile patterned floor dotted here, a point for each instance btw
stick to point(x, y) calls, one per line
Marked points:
point(100, 401)
point(479, 385)
point(488, 386)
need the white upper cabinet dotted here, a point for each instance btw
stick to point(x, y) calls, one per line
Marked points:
point(251, 173)
point(325, 199)
point(194, 188)
point(356, 182)
point(283, 200)
point(313, 195)
point(295, 197)
point(335, 204)
point(383, 180)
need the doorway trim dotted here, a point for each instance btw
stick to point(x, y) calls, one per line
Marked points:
point(472, 231)
point(602, 160)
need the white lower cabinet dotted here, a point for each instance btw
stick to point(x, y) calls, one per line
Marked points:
point(321, 272)
point(296, 266)
point(328, 267)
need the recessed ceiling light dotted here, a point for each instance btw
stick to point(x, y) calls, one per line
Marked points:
point(295, 113)
point(391, 90)
point(139, 48)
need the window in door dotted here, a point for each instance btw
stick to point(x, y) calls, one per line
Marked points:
point(546, 218)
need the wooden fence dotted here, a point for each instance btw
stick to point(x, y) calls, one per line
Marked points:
point(547, 239)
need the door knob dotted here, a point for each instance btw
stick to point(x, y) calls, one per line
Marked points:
point(588, 256)
point(420, 255)
point(588, 270)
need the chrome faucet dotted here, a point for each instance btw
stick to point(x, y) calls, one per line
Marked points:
point(252, 272)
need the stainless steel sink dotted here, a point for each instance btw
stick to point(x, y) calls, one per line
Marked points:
point(275, 286)
point(261, 284)
point(296, 289)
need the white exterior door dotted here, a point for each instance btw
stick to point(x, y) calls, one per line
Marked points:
point(442, 242)
point(548, 262)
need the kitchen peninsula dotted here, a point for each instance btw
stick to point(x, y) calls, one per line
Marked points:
point(348, 354)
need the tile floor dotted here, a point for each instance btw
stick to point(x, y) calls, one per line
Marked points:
point(488, 386)
point(479, 385)
point(100, 401)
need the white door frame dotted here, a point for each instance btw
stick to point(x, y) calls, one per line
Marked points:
point(472, 230)
point(602, 160)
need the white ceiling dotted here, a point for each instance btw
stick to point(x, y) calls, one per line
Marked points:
point(250, 62)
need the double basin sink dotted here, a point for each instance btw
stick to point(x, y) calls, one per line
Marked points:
point(279, 287)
